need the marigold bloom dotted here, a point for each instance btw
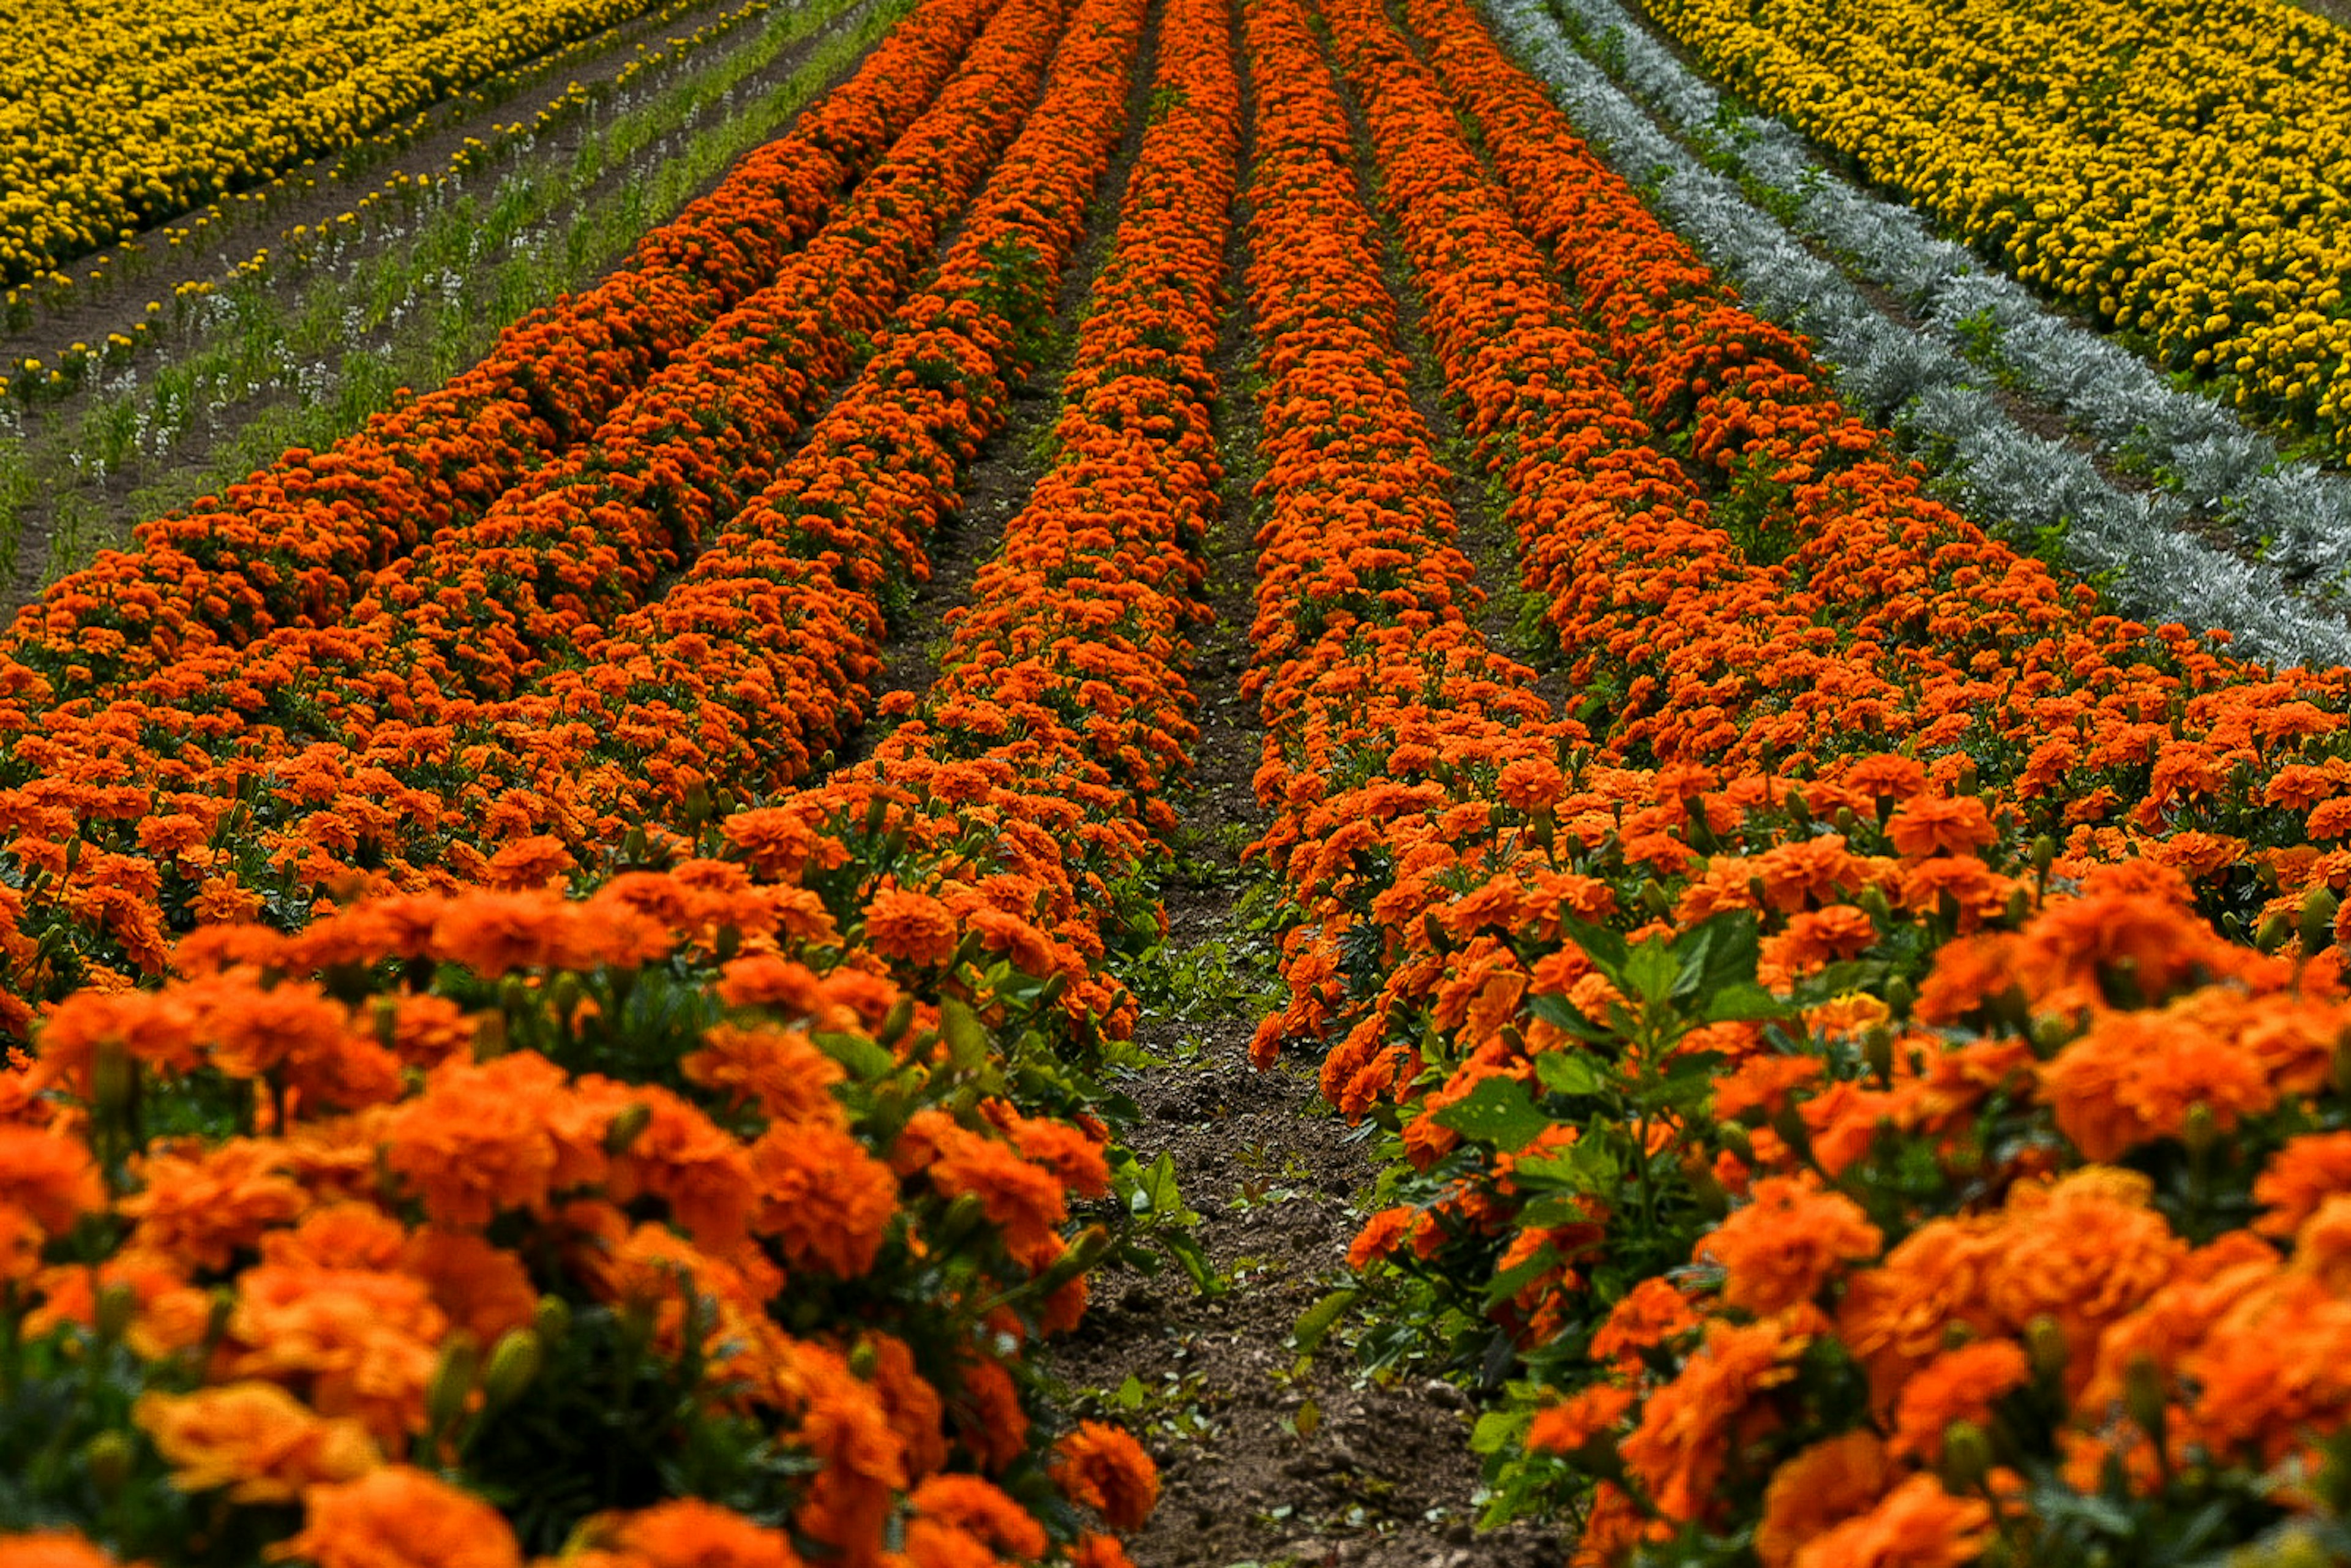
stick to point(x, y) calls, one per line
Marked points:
point(1102, 1467)
point(1919, 1525)
point(912, 926)
point(1959, 1385)
point(1930, 825)
point(1809, 1495)
point(1588, 1413)
point(399, 1517)
point(826, 1200)
point(254, 1438)
point(1783, 1247)
point(53, 1549)
point(49, 1176)
point(687, 1532)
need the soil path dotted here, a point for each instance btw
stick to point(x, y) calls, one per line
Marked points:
point(1266, 1457)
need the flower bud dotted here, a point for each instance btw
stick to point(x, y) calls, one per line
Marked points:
point(489, 1036)
point(863, 1361)
point(1967, 1455)
point(2318, 907)
point(113, 1082)
point(2044, 853)
point(1877, 1048)
point(1899, 995)
point(2199, 1129)
point(116, 1304)
point(1800, 809)
point(627, 1126)
point(110, 1458)
point(2045, 1346)
point(452, 1381)
point(896, 1022)
point(1654, 899)
point(552, 1319)
point(1873, 903)
point(2271, 934)
point(514, 1364)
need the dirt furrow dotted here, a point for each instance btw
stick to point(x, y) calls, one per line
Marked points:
point(1267, 1455)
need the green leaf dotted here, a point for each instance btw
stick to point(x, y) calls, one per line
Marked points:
point(1130, 1393)
point(1718, 954)
point(1569, 1072)
point(1603, 946)
point(966, 1036)
point(1498, 1430)
point(1185, 1249)
point(1562, 1014)
point(1498, 1112)
point(1743, 1000)
point(1315, 1323)
point(1653, 973)
point(866, 1061)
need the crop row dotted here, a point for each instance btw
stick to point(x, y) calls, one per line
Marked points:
point(298, 543)
point(2177, 169)
point(697, 1204)
point(1840, 1116)
point(2229, 532)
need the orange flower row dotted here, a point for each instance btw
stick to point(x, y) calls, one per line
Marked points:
point(802, 1195)
point(744, 1117)
point(1851, 1073)
point(315, 759)
point(295, 544)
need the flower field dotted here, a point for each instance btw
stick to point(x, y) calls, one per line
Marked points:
point(536, 1033)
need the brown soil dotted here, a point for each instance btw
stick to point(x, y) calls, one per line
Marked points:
point(1264, 1457)
point(312, 193)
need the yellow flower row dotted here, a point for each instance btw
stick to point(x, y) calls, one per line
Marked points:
point(2181, 167)
point(115, 115)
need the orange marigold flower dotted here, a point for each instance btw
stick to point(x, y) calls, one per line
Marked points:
point(2135, 1076)
point(780, 1069)
point(399, 1517)
point(1102, 1468)
point(1783, 1247)
point(1652, 1312)
point(1689, 1426)
point(1919, 1525)
point(1564, 1428)
point(49, 1176)
point(1819, 1489)
point(1957, 1385)
point(1930, 825)
point(823, 1198)
point(2300, 1176)
point(205, 1207)
point(53, 1549)
point(253, 1438)
point(1380, 1237)
point(912, 926)
point(1024, 1201)
point(981, 1508)
point(688, 1533)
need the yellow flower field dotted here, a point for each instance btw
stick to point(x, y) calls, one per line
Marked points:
point(114, 115)
point(2181, 167)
